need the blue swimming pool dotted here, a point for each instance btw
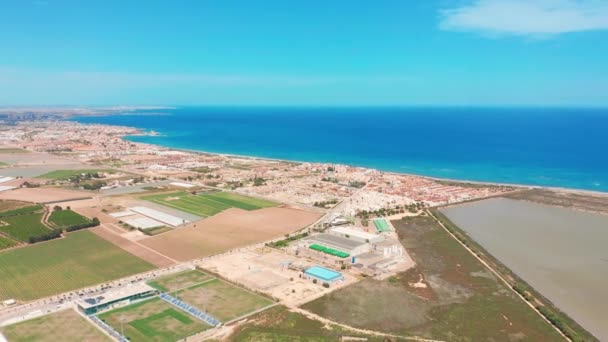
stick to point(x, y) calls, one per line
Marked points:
point(323, 273)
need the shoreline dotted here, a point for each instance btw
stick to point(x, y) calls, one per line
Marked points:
point(463, 181)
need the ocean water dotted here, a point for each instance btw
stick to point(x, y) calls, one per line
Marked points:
point(558, 147)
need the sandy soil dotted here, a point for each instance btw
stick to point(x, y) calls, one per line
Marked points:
point(264, 270)
point(584, 201)
point(44, 195)
point(230, 229)
point(132, 247)
point(37, 158)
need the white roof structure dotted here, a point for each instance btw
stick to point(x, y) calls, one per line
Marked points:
point(122, 214)
point(6, 179)
point(157, 215)
point(356, 234)
point(128, 291)
point(144, 223)
point(6, 187)
point(182, 185)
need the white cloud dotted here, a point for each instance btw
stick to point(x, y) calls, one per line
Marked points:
point(128, 79)
point(22, 86)
point(537, 18)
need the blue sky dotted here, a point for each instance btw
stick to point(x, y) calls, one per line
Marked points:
point(315, 52)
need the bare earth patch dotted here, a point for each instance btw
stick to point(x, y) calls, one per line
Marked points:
point(230, 229)
point(43, 195)
point(132, 247)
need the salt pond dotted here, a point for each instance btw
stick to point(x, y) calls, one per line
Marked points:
point(560, 252)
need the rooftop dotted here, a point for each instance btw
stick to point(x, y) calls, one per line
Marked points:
point(108, 297)
point(334, 241)
point(354, 232)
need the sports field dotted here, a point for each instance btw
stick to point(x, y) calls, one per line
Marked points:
point(180, 280)
point(381, 225)
point(65, 326)
point(78, 260)
point(66, 218)
point(66, 174)
point(208, 204)
point(222, 300)
point(24, 226)
point(153, 320)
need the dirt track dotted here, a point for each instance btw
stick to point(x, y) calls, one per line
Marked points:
point(230, 229)
point(132, 247)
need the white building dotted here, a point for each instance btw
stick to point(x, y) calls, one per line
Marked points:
point(356, 234)
point(389, 248)
point(350, 246)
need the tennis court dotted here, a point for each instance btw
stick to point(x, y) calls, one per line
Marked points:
point(329, 251)
point(381, 225)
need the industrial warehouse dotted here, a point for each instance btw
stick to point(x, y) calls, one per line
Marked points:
point(377, 255)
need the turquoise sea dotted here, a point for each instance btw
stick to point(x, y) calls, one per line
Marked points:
point(558, 147)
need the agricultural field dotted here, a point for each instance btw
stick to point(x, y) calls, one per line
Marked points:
point(280, 324)
point(207, 204)
point(229, 229)
point(157, 230)
point(78, 260)
point(180, 280)
point(6, 243)
point(222, 300)
point(65, 326)
point(153, 320)
point(449, 295)
point(10, 208)
point(67, 174)
point(66, 218)
point(23, 226)
point(13, 150)
point(43, 195)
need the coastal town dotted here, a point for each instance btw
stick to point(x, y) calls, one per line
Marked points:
point(218, 240)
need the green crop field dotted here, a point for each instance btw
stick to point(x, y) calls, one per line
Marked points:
point(13, 150)
point(8, 205)
point(180, 280)
point(22, 227)
point(65, 218)
point(22, 210)
point(153, 320)
point(78, 260)
point(65, 326)
point(239, 201)
point(6, 243)
point(66, 174)
point(222, 300)
point(207, 204)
